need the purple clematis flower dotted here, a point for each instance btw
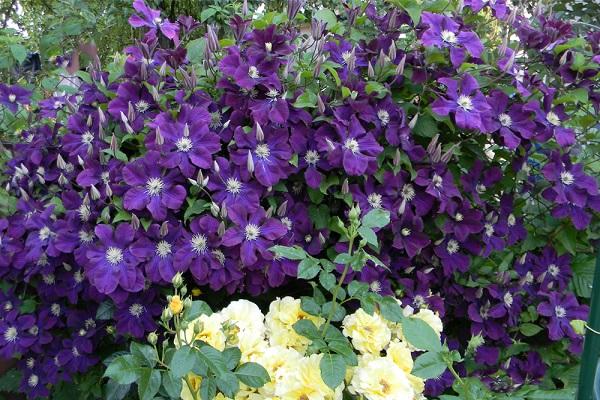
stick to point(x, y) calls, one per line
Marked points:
point(451, 254)
point(550, 119)
point(463, 221)
point(561, 309)
point(553, 272)
point(77, 355)
point(151, 18)
point(152, 189)
point(12, 96)
point(264, 152)
point(82, 138)
point(157, 250)
point(354, 148)
point(409, 235)
point(444, 32)
point(464, 100)
point(188, 141)
point(512, 123)
point(15, 337)
point(111, 263)
point(136, 316)
point(229, 186)
point(133, 104)
point(254, 232)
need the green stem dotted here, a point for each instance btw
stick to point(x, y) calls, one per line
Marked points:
point(338, 286)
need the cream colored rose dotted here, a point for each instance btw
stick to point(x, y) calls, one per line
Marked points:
point(379, 378)
point(283, 314)
point(369, 333)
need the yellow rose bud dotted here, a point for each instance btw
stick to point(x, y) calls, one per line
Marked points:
point(176, 305)
point(578, 326)
point(196, 292)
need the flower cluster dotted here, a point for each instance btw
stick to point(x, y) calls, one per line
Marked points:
point(200, 164)
point(384, 365)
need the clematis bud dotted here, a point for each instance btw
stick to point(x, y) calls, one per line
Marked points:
point(192, 182)
point(448, 154)
point(322, 239)
point(351, 61)
point(94, 193)
point(345, 187)
point(392, 51)
point(269, 212)
point(101, 116)
point(164, 229)
point(212, 40)
point(397, 158)
point(381, 60)
point(245, 8)
point(143, 71)
point(260, 135)
point(60, 162)
point(130, 112)
point(24, 194)
point(100, 131)
point(135, 222)
point(214, 209)
point(400, 67)
point(216, 167)
point(250, 162)
point(320, 105)
point(89, 121)
point(62, 181)
point(163, 69)
point(223, 210)
point(563, 58)
point(293, 8)
point(282, 209)
point(186, 130)
point(158, 138)
point(80, 160)
point(113, 144)
point(200, 178)
point(433, 144)
point(370, 70)
point(221, 229)
point(154, 93)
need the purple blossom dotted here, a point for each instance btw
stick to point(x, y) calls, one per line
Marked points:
point(12, 96)
point(152, 188)
point(156, 248)
point(561, 309)
point(229, 186)
point(111, 263)
point(136, 316)
point(254, 232)
point(151, 18)
point(464, 100)
point(511, 122)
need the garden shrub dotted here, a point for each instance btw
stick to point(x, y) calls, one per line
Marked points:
point(439, 153)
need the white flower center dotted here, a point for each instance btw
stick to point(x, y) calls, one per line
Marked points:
point(465, 102)
point(114, 255)
point(57, 104)
point(142, 106)
point(346, 55)
point(78, 276)
point(505, 120)
point(253, 72)
point(452, 247)
point(163, 248)
point(12, 97)
point(33, 380)
point(480, 188)
point(215, 119)
point(49, 279)
point(233, 186)
point(408, 192)
point(437, 180)
point(10, 335)
point(508, 299)
point(105, 176)
point(287, 222)
point(262, 151)
point(512, 220)
point(199, 243)
point(405, 231)
point(184, 144)
point(218, 254)
point(55, 309)
point(352, 145)
point(459, 217)
point(154, 186)
point(374, 200)
point(75, 352)
point(449, 37)
point(136, 309)
point(44, 233)
point(419, 300)
point(375, 287)
point(567, 178)
point(87, 137)
point(553, 270)
point(560, 312)
point(308, 238)
point(30, 362)
point(489, 229)
point(268, 46)
point(312, 157)
point(84, 212)
point(384, 117)
point(85, 237)
point(272, 93)
point(8, 306)
point(157, 20)
point(553, 118)
point(252, 232)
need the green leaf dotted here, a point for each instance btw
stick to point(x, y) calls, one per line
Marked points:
point(343, 258)
point(343, 348)
point(309, 305)
point(307, 99)
point(327, 16)
point(197, 309)
point(195, 50)
point(28, 306)
point(171, 385)
point(206, 14)
point(148, 383)
point(333, 370)
point(214, 360)
point(232, 357)
point(291, 253)
point(376, 218)
point(568, 238)
point(357, 289)
point(377, 88)
point(19, 52)
point(390, 309)
point(306, 328)
point(327, 280)
point(368, 235)
point(429, 365)
point(228, 383)
point(143, 354)
point(183, 361)
point(338, 315)
point(426, 126)
point(123, 370)
point(10, 380)
point(115, 391)
point(529, 329)
point(420, 334)
point(208, 388)
point(252, 374)
point(308, 268)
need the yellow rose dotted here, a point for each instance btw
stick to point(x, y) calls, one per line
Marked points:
point(208, 329)
point(243, 315)
point(282, 315)
point(280, 362)
point(401, 355)
point(194, 382)
point(369, 333)
point(304, 382)
point(176, 305)
point(378, 378)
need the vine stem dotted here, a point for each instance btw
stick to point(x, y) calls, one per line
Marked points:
point(185, 378)
point(338, 286)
